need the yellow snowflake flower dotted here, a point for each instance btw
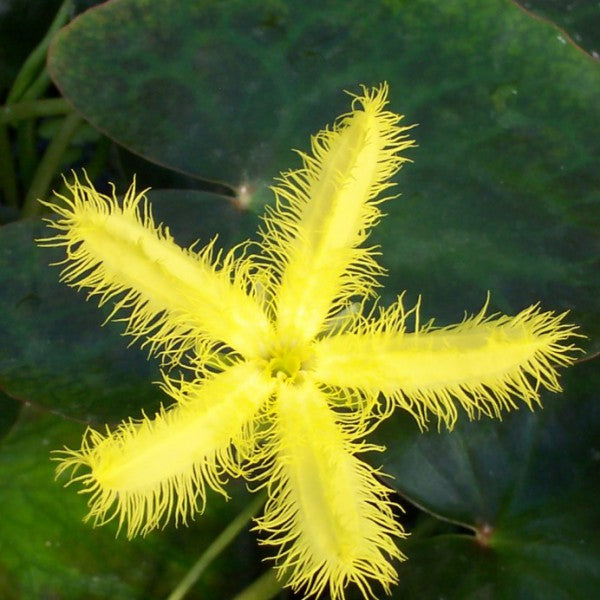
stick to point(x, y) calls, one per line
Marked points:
point(288, 374)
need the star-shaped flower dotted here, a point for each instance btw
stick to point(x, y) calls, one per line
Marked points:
point(290, 368)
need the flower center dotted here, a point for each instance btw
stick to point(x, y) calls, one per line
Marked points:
point(288, 364)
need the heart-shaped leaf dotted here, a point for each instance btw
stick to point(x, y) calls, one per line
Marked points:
point(526, 487)
point(502, 195)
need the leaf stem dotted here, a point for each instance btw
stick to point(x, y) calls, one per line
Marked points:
point(267, 586)
point(218, 545)
point(31, 109)
point(37, 87)
point(30, 71)
point(49, 164)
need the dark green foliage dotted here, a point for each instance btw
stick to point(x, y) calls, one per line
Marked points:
point(502, 197)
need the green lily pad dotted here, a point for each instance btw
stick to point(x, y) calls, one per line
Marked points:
point(239, 86)
point(532, 567)
point(503, 192)
point(579, 19)
point(476, 474)
point(527, 489)
point(53, 349)
point(46, 551)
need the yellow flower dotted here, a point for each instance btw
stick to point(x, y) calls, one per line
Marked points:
point(290, 369)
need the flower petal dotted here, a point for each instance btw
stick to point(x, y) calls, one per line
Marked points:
point(330, 516)
point(145, 472)
point(324, 212)
point(176, 297)
point(482, 363)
